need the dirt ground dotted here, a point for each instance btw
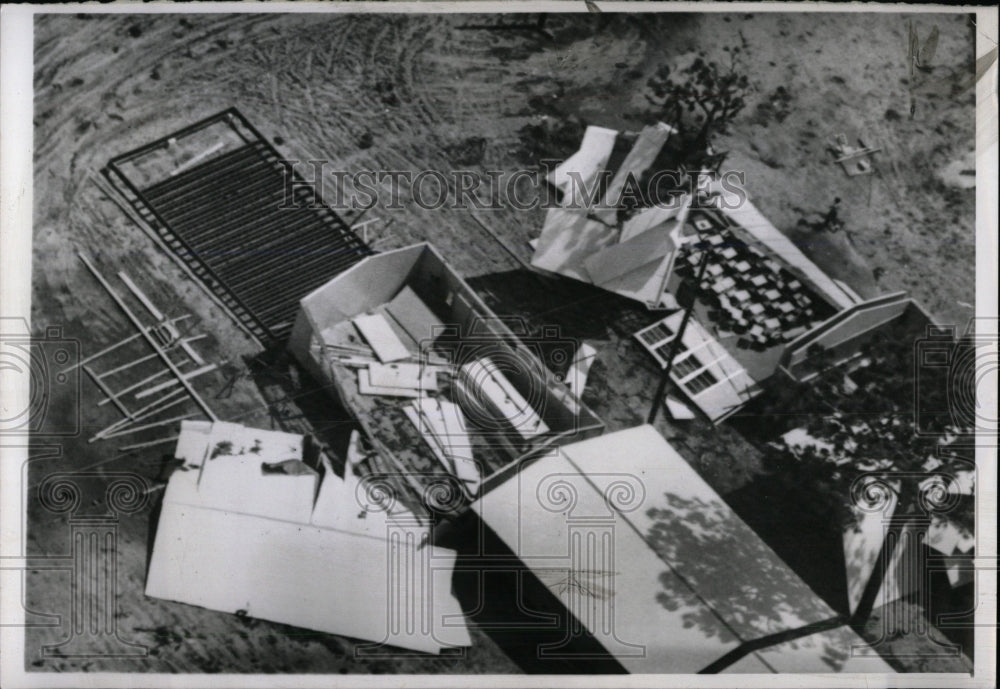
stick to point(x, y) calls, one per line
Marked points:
point(398, 92)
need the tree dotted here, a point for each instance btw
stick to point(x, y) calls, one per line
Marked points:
point(868, 422)
point(873, 422)
point(703, 98)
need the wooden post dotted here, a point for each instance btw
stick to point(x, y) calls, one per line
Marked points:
point(141, 296)
point(661, 388)
point(101, 353)
point(198, 158)
point(142, 382)
point(124, 367)
point(155, 424)
point(138, 416)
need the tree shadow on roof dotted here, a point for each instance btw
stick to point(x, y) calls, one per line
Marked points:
point(731, 583)
point(809, 543)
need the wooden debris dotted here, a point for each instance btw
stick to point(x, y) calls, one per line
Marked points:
point(501, 398)
point(403, 375)
point(441, 424)
point(151, 443)
point(576, 376)
point(365, 387)
point(378, 334)
point(198, 158)
point(855, 161)
point(145, 332)
point(170, 383)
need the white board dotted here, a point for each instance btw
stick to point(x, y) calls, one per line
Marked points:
point(339, 583)
point(403, 375)
point(378, 333)
point(503, 398)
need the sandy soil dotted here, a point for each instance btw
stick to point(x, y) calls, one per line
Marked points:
point(432, 94)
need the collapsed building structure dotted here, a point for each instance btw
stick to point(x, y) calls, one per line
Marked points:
point(759, 307)
point(257, 523)
point(431, 374)
point(640, 557)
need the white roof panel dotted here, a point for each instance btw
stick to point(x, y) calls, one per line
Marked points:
point(624, 595)
point(688, 579)
point(693, 530)
point(592, 157)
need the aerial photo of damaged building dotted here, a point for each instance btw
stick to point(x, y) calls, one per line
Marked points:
point(479, 344)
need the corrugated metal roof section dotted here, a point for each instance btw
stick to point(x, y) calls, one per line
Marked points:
point(228, 218)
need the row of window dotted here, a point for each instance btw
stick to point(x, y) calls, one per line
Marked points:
point(685, 366)
point(656, 333)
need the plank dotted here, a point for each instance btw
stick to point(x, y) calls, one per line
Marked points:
point(404, 375)
point(503, 398)
point(413, 315)
point(365, 387)
point(576, 376)
point(377, 332)
point(141, 296)
point(149, 338)
point(170, 383)
point(415, 416)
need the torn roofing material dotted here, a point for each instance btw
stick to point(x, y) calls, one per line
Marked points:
point(583, 167)
point(635, 261)
point(583, 238)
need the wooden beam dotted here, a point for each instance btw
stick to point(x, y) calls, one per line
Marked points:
point(198, 158)
point(184, 344)
point(857, 154)
point(141, 296)
point(155, 424)
point(132, 387)
point(143, 413)
point(127, 366)
point(142, 382)
point(115, 346)
point(170, 383)
point(149, 338)
point(108, 391)
point(101, 353)
point(124, 429)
